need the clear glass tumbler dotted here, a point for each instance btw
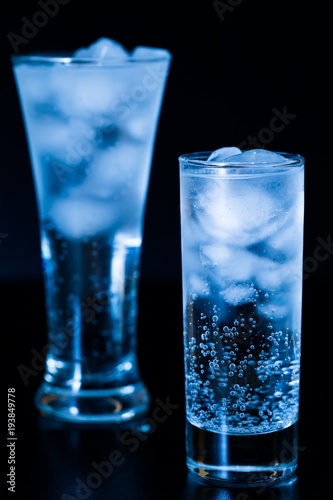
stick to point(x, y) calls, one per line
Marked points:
point(91, 126)
point(242, 244)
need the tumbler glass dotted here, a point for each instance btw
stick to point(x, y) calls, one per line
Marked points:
point(242, 244)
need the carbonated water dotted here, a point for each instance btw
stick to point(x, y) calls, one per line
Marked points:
point(91, 289)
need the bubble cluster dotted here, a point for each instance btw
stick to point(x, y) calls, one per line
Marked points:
point(242, 374)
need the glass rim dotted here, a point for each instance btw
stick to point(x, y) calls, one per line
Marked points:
point(196, 164)
point(67, 59)
point(199, 159)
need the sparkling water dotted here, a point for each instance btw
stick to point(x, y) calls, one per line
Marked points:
point(242, 282)
point(91, 120)
point(91, 287)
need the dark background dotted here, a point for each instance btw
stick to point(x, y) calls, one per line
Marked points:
point(232, 68)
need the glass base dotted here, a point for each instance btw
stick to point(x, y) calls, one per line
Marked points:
point(116, 405)
point(242, 460)
point(241, 476)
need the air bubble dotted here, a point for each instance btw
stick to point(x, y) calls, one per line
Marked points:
point(215, 318)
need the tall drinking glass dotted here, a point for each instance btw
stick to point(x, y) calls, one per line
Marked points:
point(242, 243)
point(91, 126)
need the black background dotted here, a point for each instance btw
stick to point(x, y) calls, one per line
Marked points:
point(230, 71)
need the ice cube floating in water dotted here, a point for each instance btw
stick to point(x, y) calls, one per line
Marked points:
point(234, 156)
point(105, 48)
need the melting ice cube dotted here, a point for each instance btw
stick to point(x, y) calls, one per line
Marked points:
point(231, 213)
point(113, 173)
point(141, 52)
point(223, 153)
point(78, 217)
point(103, 48)
point(232, 263)
point(238, 294)
point(260, 157)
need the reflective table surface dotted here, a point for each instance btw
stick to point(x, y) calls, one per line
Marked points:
point(145, 460)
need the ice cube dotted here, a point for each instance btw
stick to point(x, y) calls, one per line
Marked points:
point(69, 142)
point(271, 275)
point(138, 127)
point(260, 157)
point(196, 284)
point(147, 53)
point(222, 153)
point(231, 266)
point(238, 294)
point(287, 239)
point(103, 48)
point(85, 92)
point(228, 263)
point(78, 218)
point(237, 214)
point(113, 172)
